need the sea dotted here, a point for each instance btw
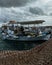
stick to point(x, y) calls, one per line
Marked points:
point(18, 45)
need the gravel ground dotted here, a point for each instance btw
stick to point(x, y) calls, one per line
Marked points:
point(40, 55)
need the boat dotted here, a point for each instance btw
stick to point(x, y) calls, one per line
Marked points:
point(28, 38)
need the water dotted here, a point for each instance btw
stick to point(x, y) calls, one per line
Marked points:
point(17, 45)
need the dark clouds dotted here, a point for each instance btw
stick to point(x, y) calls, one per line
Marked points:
point(14, 3)
point(9, 3)
point(37, 11)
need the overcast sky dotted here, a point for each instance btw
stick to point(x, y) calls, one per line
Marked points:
point(16, 3)
point(20, 9)
point(45, 5)
point(9, 3)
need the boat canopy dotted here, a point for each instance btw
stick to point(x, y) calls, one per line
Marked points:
point(12, 22)
point(31, 22)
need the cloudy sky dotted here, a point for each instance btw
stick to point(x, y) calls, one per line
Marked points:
point(9, 3)
point(24, 9)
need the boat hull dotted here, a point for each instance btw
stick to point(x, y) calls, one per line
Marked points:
point(29, 39)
